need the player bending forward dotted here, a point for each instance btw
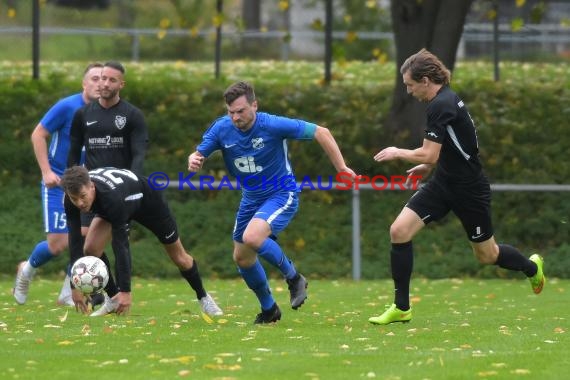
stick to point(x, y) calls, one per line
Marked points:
point(117, 196)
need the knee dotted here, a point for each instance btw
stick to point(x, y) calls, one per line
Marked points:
point(239, 260)
point(91, 250)
point(399, 234)
point(242, 260)
point(57, 245)
point(252, 239)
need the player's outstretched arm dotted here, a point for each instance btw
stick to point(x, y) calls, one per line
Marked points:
point(428, 153)
point(326, 140)
point(195, 161)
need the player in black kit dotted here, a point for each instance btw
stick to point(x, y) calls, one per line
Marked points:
point(113, 133)
point(458, 184)
point(117, 196)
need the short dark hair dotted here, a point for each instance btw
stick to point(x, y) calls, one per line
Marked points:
point(92, 66)
point(115, 65)
point(74, 178)
point(426, 64)
point(239, 89)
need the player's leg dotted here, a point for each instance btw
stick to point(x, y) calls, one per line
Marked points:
point(474, 210)
point(255, 277)
point(426, 205)
point(402, 230)
point(508, 257)
point(272, 217)
point(55, 243)
point(189, 271)
point(160, 221)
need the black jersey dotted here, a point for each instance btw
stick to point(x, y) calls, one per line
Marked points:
point(121, 196)
point(115, 136)
point(449, 123)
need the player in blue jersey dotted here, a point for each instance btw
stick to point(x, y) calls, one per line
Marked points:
point(52, 161)
point(254, 148)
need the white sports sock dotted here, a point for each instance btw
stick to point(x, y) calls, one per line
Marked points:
point(28, 270)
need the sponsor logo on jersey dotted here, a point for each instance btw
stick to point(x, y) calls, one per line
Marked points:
point(247, 165)
point(257, 143)
point(105, 141)
point(88, 123)
point(120, 121)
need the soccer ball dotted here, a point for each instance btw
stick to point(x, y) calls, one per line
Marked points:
point(89, 274)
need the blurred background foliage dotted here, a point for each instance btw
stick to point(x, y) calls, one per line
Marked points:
point(522, 124)
point(168, 48)
point(151, 30)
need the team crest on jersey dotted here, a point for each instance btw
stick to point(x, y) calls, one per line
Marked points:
point(257, 143)
point(120, 121)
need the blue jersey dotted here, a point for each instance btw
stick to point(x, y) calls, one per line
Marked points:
point(257, 157)
point(57, 121)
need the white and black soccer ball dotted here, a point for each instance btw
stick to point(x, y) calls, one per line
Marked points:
point(89, 274)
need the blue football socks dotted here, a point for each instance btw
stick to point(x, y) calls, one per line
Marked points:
point(272, 252)
point(40, 255)
point(256, 280)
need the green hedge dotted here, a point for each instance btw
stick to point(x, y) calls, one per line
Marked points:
point(522, 124)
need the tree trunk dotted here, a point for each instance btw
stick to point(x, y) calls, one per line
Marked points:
point(251, 13)
point(436, 25)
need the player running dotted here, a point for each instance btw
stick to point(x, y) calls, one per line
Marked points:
point(458, 184)
point(254, 147)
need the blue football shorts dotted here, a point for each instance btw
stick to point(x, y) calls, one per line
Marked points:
point(277, 210)
point(55, 221)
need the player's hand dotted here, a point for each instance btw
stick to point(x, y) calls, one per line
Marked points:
point(195, 162)
point(349, 171)
point(79, 300)
point(387, 154)
point(416, 174)
point(50, 179)
point(124, 303)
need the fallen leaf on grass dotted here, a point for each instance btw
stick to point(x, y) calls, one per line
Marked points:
point(182, 359)
point(65, 343)
point(225, 367)
point(207, 318)
point(487, 373)
point(521, 371)
point(86, 330)
point(63, 318)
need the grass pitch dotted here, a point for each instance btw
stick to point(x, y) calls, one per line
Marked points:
point(462, 329)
